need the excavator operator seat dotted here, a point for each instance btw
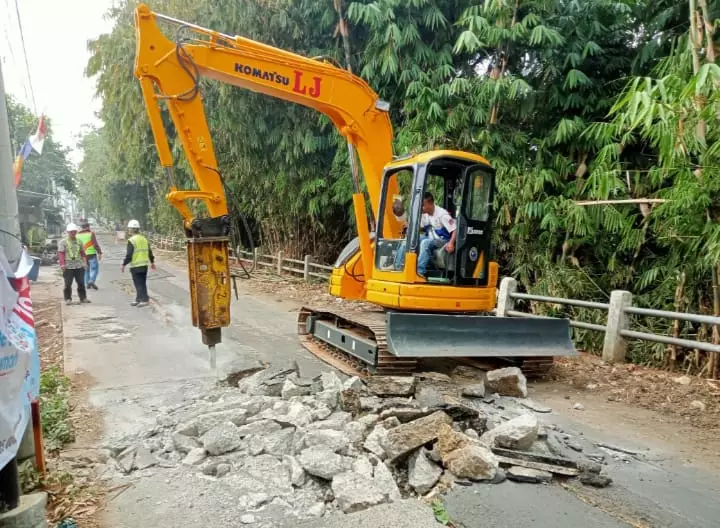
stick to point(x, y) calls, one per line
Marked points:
point(442, 260)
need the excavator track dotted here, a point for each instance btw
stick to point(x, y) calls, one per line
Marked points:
point(370, 325)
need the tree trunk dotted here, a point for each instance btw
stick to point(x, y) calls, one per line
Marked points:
point(344, 33)
point(709, 31)
point(497, 73)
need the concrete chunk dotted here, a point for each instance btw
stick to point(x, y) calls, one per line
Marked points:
point(333, 440)
point(518, 433)
point(407, 437)
point(376, 441)
point(391, 385)
point(323, 462)
point(473, 461)
point(195, 456)
point(354, 492)
point(508, 381)
point(221, 439)
point(422, 473)
point(385, 482)
point(523, 474)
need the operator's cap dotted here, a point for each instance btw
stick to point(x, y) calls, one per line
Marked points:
point(71, 227)
point(84, 222)
point(133, 224)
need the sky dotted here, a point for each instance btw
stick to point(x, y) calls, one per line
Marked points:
point(56, 34)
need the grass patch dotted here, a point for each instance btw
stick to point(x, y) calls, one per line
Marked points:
point(55, 409)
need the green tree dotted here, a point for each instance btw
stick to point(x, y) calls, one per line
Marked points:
point(39, 171)
point(99, 189)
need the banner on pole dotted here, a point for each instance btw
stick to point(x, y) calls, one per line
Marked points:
point(19, 358)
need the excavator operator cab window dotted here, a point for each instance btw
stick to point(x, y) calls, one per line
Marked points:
point(465, 190)
point(398, 193)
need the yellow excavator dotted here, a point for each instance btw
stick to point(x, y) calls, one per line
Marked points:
point(445, 312)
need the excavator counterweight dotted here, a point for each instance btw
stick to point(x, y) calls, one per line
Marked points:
point(425, 271)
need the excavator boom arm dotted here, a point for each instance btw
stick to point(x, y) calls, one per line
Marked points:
point(170, 71)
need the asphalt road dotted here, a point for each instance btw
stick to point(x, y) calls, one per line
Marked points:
point(143, 359)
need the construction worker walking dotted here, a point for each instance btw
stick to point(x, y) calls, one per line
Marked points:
point(140, 256)
point(92, 252)
point(72, 263)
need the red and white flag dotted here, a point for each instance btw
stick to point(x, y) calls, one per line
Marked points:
point(38, 138)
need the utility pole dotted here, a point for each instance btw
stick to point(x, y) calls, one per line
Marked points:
point(10, 242)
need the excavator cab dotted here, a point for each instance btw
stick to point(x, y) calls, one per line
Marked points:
point(461, 186)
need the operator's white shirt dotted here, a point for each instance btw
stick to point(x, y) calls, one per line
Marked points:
point(440, 222)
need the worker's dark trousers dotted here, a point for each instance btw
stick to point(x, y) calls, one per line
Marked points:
point(139, 276)
point(79, 276)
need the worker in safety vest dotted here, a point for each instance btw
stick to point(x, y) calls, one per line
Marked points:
point(92, 252)
point(140, 256)
point(71, 257)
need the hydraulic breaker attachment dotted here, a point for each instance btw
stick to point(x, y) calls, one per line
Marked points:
point(210, 289)
point(418, 335)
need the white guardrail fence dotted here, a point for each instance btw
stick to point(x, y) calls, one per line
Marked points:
point(617, 328)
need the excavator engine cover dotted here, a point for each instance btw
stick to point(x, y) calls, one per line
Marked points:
point(209, 271)
point(420, 335)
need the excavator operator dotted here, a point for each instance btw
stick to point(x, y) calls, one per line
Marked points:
point(439, 230)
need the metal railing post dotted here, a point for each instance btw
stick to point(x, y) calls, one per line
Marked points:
point(505, 302)
point(615, 345)
point(279, 262)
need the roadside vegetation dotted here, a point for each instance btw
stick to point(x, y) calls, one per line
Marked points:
point(55, 409)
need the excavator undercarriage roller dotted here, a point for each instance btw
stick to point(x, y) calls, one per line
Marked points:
point(376, 342)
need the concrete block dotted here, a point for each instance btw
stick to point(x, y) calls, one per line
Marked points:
point(30, 513)
point(505, 302)
point(615, 345)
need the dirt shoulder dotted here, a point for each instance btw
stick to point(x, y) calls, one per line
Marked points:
point(667, 410)
point(67, 418)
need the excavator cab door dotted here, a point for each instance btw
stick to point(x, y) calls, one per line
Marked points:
point(474, 223)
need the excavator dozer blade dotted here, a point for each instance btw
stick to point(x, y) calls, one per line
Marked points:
point(414, 335)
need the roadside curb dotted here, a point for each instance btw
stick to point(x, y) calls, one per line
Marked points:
point(30, 512)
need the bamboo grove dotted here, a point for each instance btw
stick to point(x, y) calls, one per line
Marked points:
point(601, 117)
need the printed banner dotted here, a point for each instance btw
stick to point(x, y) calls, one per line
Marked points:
point(19, 358)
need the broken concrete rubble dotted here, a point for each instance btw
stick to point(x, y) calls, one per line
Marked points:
point(407, 437)
point(316, 446)
point(509, 381)
point(391, 385)
point(290, 388)
point(195, 456)
point(422, 473)
point(518, 433)
point(523, 474)
point(184, 444)
point(473, 461)
point(385, 482)
point(474, 390)
point(354, 492)
point(323, 462)
point(221, 439)
point(376, 441)
point(334, 440)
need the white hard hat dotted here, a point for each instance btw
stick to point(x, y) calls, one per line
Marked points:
point(71, 227)
point(133, 224)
